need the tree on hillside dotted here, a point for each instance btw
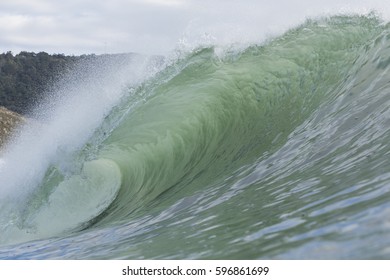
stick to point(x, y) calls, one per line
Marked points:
point(25, 77)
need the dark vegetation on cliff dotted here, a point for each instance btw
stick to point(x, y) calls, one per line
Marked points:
point(25, 78)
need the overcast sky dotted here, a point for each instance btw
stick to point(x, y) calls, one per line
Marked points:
point(154, 26)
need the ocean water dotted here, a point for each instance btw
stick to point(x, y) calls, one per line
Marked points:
point(275, 150)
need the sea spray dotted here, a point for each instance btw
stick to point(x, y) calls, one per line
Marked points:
point(50, 146)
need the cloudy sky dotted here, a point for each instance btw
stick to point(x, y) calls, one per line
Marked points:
point(154, 26)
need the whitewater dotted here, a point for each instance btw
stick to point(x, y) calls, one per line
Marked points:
point(277, 150)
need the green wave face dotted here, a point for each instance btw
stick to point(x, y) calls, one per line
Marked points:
point(267, 152)
point(212, 115)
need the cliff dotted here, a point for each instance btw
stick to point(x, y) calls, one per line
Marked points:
point(9, 121)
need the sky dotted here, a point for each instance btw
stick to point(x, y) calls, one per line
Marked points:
point(75, 27)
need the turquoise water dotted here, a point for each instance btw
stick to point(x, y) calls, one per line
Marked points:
point(277, 150)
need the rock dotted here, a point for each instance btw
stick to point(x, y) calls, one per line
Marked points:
point(9, 122)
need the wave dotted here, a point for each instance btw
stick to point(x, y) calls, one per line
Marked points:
point(275, 149)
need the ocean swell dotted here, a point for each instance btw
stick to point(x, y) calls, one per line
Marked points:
point(276, 150)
